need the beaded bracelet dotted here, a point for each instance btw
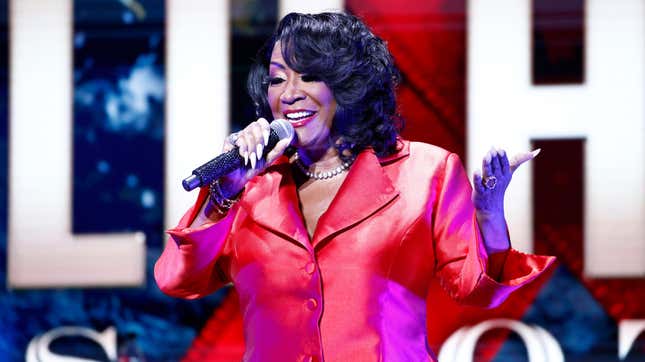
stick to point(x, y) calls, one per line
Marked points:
point(220, 202)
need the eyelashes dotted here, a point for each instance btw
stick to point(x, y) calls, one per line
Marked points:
point(275, 81)
point(272, 81)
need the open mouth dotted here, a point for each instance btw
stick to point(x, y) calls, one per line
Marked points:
point(299, 118)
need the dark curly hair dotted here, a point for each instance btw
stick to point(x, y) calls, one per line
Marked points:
point(355, 64)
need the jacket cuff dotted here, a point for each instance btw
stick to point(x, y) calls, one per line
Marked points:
point(184, 234)
point(516, 270)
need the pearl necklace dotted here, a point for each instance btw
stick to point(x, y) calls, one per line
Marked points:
point(321, 175)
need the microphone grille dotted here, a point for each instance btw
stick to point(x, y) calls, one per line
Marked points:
point(282, 128)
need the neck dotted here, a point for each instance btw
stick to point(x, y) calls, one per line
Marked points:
point(320, 155)
point(319, 158)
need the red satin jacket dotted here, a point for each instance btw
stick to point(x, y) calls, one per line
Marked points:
point(357, 290)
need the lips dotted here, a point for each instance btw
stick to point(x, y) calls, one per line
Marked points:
point(299, 117)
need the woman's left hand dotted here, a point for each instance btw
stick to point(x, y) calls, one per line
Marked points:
point(488, 196)
point(489, 187)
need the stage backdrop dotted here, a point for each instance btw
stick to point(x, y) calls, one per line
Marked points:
point(118, 114)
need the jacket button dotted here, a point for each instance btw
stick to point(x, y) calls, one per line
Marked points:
point(310, 268)
point(312, 303)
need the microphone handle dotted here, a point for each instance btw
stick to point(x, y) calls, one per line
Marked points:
point(223, 164)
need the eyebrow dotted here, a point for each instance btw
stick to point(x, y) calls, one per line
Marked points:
point(279, 65)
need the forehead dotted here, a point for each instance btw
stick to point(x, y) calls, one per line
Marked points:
point(276, 53)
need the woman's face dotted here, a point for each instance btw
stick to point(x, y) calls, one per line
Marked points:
point(302, 99)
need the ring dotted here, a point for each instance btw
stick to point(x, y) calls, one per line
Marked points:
point(232, 138)
point(490, 182)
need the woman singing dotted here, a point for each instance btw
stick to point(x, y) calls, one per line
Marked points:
point(332, 238)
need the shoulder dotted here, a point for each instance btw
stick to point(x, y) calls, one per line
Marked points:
point(416, 165)
point(421, 149)
point(411, 151)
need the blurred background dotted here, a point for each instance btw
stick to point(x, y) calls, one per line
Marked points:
point(105, 105)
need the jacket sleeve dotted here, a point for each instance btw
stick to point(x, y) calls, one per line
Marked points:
point(189, 267)
point(461, 259)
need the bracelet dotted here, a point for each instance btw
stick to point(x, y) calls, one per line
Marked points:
point(220, 202)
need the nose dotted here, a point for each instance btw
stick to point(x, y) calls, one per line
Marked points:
point(292, 93)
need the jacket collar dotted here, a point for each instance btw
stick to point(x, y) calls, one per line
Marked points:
point(403, 150)
point(366, 189)
point(271, 199)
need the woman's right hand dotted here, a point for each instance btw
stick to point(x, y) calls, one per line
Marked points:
point(251, 142)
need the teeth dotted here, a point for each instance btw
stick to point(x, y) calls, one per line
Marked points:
point(298, 115)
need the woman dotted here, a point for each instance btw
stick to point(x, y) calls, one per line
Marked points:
point(332, 247)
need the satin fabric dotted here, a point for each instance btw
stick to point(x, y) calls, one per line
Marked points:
point(357, 290)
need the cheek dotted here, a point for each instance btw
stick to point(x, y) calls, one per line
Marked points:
point(272, 98)
point(331, 106)
point(329, 101)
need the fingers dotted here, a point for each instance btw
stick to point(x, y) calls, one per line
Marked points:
point(503, 162)
point(252, 141)
point(228, 145)
point(243, 143)
point(256, 149)
point(477, 181)
point(495, 165)
point(278, 150)
point(266, 129)
point(520, 158)
point(496, 161)
point(487, 164)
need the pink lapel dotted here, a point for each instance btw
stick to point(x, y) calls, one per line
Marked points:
point(271, 201)
point(366, 189)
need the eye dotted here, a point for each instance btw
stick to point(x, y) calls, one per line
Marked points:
point(275, 80)
point(310, 78)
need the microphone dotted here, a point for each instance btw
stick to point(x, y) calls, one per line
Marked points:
point(230, 161)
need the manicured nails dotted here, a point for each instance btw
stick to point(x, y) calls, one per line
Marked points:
point(536, 152)
point(245, 154)
point(258, 150)
point(253, 159)
point(265, 134)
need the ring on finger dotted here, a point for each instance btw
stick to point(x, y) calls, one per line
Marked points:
point(233, 137)
point(490, 182)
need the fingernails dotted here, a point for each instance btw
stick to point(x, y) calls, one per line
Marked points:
point(536, 152)
point(245, 154)
point(266, 137)
point(488, 158)
point(253, 159)
point(258, 149)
